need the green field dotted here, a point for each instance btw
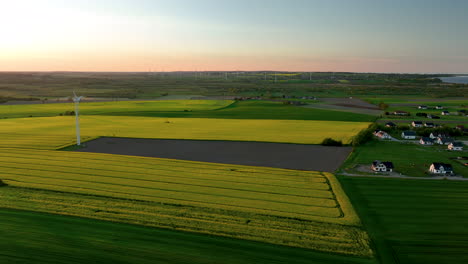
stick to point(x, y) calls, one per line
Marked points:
point(116, 107)
point(224, 109)
point(413, 221)
point(293, 208)
point(27, 237)
point(55, 132)
point(408, 158)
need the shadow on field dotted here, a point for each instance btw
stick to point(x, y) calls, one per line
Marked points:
point(276, 155)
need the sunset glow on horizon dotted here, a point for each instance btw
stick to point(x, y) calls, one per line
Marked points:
point(208, 35)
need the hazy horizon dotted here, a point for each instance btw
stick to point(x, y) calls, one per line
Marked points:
point(361, 36)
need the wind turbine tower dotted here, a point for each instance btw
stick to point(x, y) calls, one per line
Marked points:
point(77, 100)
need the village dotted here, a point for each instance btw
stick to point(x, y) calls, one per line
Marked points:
point(426, 134)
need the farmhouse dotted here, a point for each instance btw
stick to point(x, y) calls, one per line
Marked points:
point(426, 141)
point(383, 135)
point(444, 140)
point(382, 166)
point(422, 107)
point(440, 168)
point(446, 113)
point(390, 124)
point(456, 146)
point(428, 124)
point(433, 116)
point(436, 135)
point(408, 135)
point(417, 124)
point(439, 107)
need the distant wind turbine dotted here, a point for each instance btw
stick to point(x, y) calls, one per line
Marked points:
point(77, 100)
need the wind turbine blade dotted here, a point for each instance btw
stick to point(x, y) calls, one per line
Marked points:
point(74, 94)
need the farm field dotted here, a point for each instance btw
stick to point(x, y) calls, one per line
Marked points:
point(117, 107)
point(294, 208)
point(408, 158)
point(27, 237)
point(21, 131)
point(413, 221)
point(273, 155)
point(224, 109)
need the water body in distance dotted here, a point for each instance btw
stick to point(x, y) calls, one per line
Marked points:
point(456, 79)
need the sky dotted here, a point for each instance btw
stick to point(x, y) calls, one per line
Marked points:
point(420, 36)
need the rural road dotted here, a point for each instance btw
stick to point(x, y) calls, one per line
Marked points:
point(450, 178)
point(383, 121)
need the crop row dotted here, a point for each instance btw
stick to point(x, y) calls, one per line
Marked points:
point(39, 141)
point(168, 168)
point(187, 185)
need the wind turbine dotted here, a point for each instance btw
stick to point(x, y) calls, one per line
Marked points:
point(77, 100)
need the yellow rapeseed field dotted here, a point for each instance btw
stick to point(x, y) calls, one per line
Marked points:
point(297, 208)
point(54, 132)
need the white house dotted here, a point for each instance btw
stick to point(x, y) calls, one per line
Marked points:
point(456, 146)
point(434, 135)
point(446, 113)
point(383, 135)
point(379, 166)
point(408, 135)
point(439, 107)
point(440, 168)
point(444, 140)
point(426, 141)
point(417, 124)
point(422, 107)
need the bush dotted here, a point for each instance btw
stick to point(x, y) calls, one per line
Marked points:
point(383, 106)
point(331, 142)
point(364, 136)
point(2, 183)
